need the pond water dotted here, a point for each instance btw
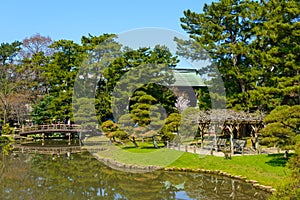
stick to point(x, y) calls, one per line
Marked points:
point(81, 176)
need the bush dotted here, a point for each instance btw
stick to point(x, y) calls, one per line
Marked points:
point(6, 129)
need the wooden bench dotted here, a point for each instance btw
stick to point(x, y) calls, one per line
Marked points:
point(221, 144)
point(239, 145)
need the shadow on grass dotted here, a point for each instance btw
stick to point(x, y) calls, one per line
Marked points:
point(278, 160)
point(141, 147)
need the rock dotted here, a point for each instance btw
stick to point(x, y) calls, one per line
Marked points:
point(253, 181)
point(272, 190)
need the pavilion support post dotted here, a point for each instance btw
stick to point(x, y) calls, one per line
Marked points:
point(238, 127)
point(231, 129)
point(231, 144)
point(256, 127)
point(215, 125)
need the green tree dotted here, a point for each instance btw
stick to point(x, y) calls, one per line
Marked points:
point(8, 52)
point(127, 131)
point(291, 187)
point(110, 128)
point(171, 127)
point(7, 129)
point(10, 75)
point(275, 52)
point(282, 126)
point(189, 123)
point(254, 45)
point(140, 110)
point(60, 74)
point(85, 114)
point(224, 31)
point(204, 100)
point(35, 56)
point(41, 111)
point(142, 68)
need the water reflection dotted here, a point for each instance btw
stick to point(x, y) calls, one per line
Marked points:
point(80, 176)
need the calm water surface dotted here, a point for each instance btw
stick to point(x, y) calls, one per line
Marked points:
point(81, 176)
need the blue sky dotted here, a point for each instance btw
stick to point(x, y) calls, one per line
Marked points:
point(66, 19)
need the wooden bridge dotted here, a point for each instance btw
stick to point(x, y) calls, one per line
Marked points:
point(52, 128)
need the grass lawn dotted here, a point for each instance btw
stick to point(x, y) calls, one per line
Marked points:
point(143, 156)
point(266, 169)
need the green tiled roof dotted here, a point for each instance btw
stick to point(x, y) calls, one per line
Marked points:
point(187, 78)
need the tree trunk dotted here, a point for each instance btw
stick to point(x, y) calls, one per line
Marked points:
point(154, 142)
point(134, 142)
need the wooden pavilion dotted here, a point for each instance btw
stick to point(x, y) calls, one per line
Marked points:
point(221, 122)
point(235, 124)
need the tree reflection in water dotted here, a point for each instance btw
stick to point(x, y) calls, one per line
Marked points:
point(81, 176)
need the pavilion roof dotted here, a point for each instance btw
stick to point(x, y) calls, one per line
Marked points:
point(188, 78)
point(222, 115)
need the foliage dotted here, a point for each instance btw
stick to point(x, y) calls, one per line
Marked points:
point(254, 46)
point(41, 111)
point(204, 100)
point(224, 31)
point(110, 128)
point(282, 126)
point(141, 107)
point(157, 63)
point(290, 189)
point(85, 114)
point(8, 52)
point(189, 123)
point(170, 129)
point(7, 129)
point(10, 76)
point(275, 54)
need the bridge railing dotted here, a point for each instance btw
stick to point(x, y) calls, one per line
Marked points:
point(51, 127)
point(46, 150)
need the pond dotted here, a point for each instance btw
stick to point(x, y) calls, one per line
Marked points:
point(81, 176)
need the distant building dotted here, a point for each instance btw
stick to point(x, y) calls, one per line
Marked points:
point(187, 81)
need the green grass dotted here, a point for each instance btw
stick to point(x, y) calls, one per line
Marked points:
point(266, 169)
point(97, 139)
point(143, 147)
point(141, 156)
